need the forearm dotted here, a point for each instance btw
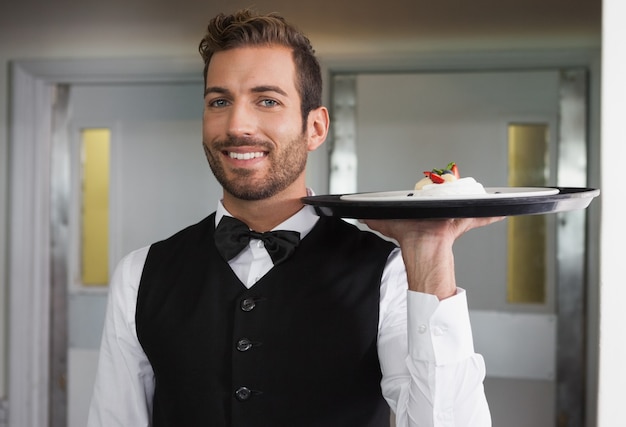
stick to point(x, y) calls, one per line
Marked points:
point(426, 406)
point(430, 268)
point(432, 377)
point(427, 249)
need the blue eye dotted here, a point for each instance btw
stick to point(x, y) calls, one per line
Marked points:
point(218, 103)
point(269, 103)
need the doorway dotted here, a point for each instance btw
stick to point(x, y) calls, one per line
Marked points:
point(390, 126)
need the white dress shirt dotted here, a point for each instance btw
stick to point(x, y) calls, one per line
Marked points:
point(431, 375)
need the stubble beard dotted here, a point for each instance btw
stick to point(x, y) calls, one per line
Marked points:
point(285, 167)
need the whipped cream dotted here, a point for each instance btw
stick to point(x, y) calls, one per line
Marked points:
point(462, 186)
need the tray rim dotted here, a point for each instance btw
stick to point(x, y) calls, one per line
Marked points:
point(568, 198)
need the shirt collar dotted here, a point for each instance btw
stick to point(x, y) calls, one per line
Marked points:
point(302, 221)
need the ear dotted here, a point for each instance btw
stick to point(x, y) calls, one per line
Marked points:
point(317, 127)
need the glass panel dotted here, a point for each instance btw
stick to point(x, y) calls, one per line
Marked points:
point(528, 166)
point(95, 153)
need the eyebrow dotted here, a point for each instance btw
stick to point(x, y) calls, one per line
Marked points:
point(256, 89)
point(216, 89)
point(260, 89)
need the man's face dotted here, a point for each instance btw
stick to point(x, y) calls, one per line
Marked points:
point(252, 124)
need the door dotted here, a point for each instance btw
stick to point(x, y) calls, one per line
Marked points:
point(389, 127)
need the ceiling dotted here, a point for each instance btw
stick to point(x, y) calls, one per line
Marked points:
point(335, 26)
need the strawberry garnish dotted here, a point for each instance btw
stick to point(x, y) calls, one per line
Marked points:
point(436, 178)
point(436, 175)
point(452, 167)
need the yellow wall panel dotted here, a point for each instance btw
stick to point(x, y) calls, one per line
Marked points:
point(95, 206)
point(527, 258)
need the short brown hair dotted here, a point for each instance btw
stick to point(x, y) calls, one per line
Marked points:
point(245, 28)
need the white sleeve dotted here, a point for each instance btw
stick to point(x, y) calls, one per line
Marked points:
point(431, 375)
point(124, 384)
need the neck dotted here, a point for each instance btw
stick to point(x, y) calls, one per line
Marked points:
point(264, 215)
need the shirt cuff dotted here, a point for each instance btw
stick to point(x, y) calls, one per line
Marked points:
point(439, 332)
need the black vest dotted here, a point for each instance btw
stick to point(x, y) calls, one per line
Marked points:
point(297, 349)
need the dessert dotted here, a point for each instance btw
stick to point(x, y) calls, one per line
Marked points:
point(447, 182)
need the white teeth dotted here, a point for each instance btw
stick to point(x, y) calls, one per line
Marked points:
point(245, 156)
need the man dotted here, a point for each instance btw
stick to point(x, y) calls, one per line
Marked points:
point(321, 327)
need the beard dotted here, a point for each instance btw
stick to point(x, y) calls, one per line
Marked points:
point(286, 165)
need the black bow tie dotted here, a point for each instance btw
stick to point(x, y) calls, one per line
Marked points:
point(232, 236)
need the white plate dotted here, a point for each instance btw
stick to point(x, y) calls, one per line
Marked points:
point(492, 193)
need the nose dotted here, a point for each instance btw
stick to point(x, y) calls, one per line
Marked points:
point(241, 121)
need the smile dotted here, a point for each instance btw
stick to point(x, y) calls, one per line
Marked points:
point(245, 156)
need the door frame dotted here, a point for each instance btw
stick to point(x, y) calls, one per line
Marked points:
point(32, 246)
point(30, 249)
point(577, 303)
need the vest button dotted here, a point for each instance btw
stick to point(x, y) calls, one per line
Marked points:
point(242, 394)
point(244, 344)
point(248, 304)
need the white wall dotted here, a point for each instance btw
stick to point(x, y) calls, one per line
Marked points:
point(613, 283)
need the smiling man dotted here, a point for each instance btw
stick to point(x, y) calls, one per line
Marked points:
point(254, 135)
point(264, 314)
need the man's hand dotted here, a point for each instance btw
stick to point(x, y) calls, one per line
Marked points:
point(427, 249)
